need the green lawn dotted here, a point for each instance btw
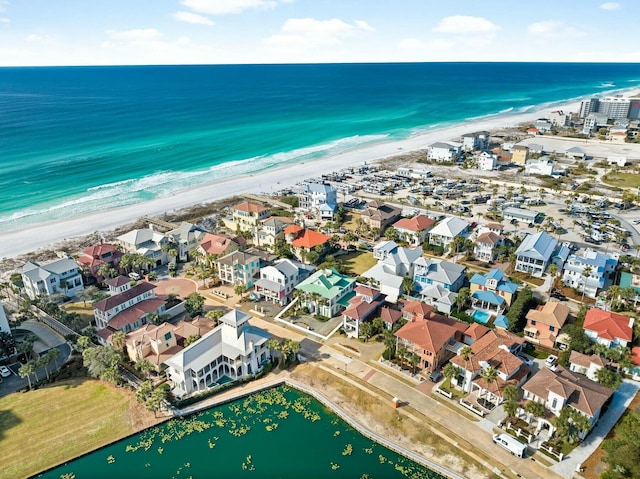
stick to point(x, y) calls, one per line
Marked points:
point(351, 221)
point(622, 180)
point(85, 312)
point(358, 262)
point(42, 428)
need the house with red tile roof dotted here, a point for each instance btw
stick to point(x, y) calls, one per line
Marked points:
point(635, 359)
point(220, 245)
point(608, 328)
point(414, 230)
point(586, 364)
point(390, 316)
point(93, 257)
point(157, 343)
point(304, 240)
point(545, 322)
point(364, 306)
point(563, 388)
point(248, 215)
point(127, 307)
point(431, 336)
point(495, 349)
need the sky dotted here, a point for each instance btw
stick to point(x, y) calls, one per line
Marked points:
point(125, 32)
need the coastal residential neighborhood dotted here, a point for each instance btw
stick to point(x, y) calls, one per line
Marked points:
point(491, 286)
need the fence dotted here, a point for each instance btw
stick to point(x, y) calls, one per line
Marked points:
point(443, 392)
point(54, 324)
point(551, 451)
point(471, 407)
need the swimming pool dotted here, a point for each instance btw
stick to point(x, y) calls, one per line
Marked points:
point(481, 316)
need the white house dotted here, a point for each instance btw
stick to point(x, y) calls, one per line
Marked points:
point(188, 237)
point(478, 140)
point(147, 242)
point(487, 161)
point(61, 276)
point(559, 118)
point(127, 307)
point(617, 160)
point(414, 230)
point(389, 272)
point(234, 350)
point(486, 244)
point(4, 323)
point(444, 232)
point(534, 253)
point(599, 265)
point(443, 151)
point(384, 249)
point(278, 282)
point(238, 267)
point(588, 365)
point(540, 166)
point(318, 199)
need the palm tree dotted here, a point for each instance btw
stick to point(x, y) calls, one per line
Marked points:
point(511, 408)
point(586, 272)
point(407, 285)
point(414, 360)
point(511, 392)
point(535, 408)
point(613, 294)
point(366, 330)
point(145, 366)
point(462, 299)
point(26, 370)
point(449, 372)
point(490, 375)
point(117, 340)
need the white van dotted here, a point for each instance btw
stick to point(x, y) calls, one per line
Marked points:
point(134, 276)
point(510, 443)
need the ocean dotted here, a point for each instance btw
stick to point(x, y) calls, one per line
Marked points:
point(76, 140)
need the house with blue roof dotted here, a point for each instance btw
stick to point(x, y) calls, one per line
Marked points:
point(589, 272)
point(492, 292)
point(535, 253)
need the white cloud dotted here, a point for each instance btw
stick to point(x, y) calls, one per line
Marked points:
point(34, 38)
point(190, 17)
point(224, 7)
point(135, 35)
point(465, 25)
point(610, 6)
point(554, 29)
point(4, 20)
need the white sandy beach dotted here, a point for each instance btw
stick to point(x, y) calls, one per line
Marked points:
point(17, 242)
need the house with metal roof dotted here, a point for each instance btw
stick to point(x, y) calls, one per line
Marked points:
point(389, 272)
point(232, 350)
point(598, 266)
point(319, 199)
point(326, 292)
point(443, 151)
point(147, 242)
point(534, 253)
point(444, 232)
point(520, 214)
point(278, 281)
point(492, 292)
point(187, 236)
point(429, 272)
point(61, 276)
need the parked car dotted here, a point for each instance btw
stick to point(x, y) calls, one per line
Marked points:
point(551, 361)
point(526, 360)
point(435, 376)
point(558, 296)
point(5, 372)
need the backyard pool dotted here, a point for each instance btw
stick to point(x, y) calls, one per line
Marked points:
point(481, 316)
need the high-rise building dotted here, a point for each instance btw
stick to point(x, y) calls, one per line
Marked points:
point(634, 109)
point(614, 107)
point(588, 106)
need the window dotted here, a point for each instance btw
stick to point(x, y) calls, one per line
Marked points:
point(533, 322)
point(167, 336)
point(551, 328)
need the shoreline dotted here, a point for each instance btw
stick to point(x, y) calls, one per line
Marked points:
point(47, 235)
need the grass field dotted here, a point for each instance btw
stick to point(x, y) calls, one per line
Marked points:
point(86, 312)
point(358, 262)
point(42, 428)
point(622, 180)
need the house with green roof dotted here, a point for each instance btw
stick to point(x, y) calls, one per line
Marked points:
point(326, 292)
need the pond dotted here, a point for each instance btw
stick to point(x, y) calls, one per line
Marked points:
point(277, 433)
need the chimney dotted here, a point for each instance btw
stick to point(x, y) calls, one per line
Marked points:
point(631, 322)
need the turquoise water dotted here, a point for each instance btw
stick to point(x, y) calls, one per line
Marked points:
point(75, 140)
point(481, 316)
point(278, 433)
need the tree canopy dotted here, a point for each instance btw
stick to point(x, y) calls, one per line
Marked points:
point(623, 449)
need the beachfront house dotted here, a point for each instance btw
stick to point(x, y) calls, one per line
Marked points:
point(187, 237)
point(478, 140)
point(278, 281)
point(519, 154)
point(414, 230)
point(271, 230)
point(562, 388)
point(443, 151)
point(95, 256)
point(146, 242)
point(486, 246)
point(492, 292)
point(497, 349)
point(534, 253)
point(61, 276)
point(431, 337)
point(445, 232)
point(608, 328)
point(157, 343)
point(598, 266)
point(238, 268)
point(364, 306)
point(319, 199)
point(545, 322)
point(127, 307)
point(232, 350)
point(487, 161)
point(543, 166)
point(326, 292)
point(247, 216)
